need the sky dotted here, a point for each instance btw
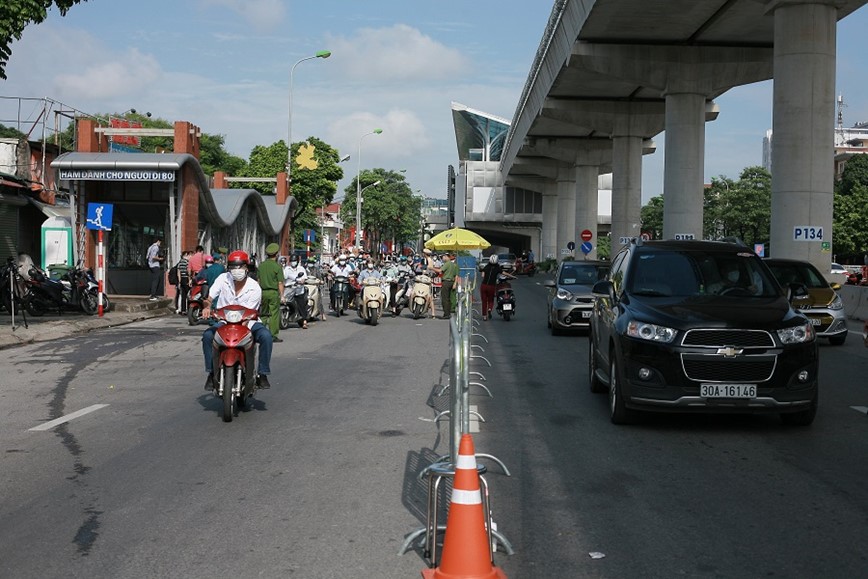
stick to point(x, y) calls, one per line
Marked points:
point(224, 65)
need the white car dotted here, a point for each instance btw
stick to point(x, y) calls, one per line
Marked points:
point(838, 271)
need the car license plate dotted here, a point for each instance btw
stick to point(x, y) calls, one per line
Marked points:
point(586, 314)
point(507, 306)
point(816, 321)
point(727, 390)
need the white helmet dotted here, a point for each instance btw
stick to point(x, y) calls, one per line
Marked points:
point(493, 259)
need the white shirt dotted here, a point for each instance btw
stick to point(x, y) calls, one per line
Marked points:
point(223, 291)
point(153, 253)
point(290, 274)
point(344, 271)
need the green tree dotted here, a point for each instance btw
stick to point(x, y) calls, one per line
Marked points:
point(15, 15)
point(744, 207)
point(651, 217)
point(214, 157)
point(390, 211)
point(855, 174)
point(849, 234)
point(312, 188)
point(604, 247)
point(10, 133)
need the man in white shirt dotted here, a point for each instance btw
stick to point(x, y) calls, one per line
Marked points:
point(235, 287)
point(342, 268)
point(154, 259)
point(291, 274)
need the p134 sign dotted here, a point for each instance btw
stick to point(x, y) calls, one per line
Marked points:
point(807, 233)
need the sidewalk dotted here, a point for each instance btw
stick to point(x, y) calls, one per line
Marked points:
point(125, 310)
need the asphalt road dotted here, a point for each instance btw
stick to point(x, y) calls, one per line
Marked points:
point(318, 480)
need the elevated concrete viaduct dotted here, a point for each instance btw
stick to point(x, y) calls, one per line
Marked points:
point(610, 75)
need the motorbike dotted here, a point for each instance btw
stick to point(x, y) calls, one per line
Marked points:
point(402, 295)
point(421, 290)
point(504, 298)
point(73, 291)
point(525, 267)
point(289, 311)
point(12, 285)
point(314, 298)
point(373, 300)
point(340, 292)
point(195, 301)
point(234, 360)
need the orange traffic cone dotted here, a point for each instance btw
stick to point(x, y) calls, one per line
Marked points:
point(466, 551)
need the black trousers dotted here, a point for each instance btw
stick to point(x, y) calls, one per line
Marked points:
point(156, 274)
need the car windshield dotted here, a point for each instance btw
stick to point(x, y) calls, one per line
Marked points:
point(581, 274)
point(505, 257)
point(794, 272)
point(675, 273)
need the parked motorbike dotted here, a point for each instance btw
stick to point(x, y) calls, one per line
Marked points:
point(72, 292)
point(340, 294)
point(373, 300)
point(10, 278)
point(504, 298)
point(289, 310)
point(196, 301)
point(524, 267)
point(422, 288)
point(234, 358)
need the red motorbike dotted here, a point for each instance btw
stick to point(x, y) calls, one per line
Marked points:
point(234, 358)
point(195, 301)
point(524, 267)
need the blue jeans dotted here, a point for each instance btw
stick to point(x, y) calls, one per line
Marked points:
point(261, 336)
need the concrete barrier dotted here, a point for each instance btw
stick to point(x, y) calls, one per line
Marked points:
point(855, 300)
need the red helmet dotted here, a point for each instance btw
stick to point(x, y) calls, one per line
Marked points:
point(238, 257)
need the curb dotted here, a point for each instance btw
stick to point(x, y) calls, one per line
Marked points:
point(55, 329)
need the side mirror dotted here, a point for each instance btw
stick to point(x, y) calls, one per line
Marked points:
point(550, 283)
point(796, 291)
point(603, 289)
point(835, 285)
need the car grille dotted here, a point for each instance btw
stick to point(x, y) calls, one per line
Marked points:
point(712, 368)
point(583, 300)
point(710, 338)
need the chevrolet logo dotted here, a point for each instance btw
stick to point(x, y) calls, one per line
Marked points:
point(730, 352)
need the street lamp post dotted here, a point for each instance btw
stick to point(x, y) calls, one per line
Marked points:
point(359, 189)
point(320, 54)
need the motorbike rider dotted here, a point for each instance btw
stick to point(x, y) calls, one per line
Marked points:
point(341, 268)
point(369, 271)
point(236, 287)
point(292, 273)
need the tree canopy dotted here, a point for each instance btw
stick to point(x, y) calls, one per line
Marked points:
point(390, 211)
point(15, 15)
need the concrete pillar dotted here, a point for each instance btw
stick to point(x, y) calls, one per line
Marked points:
point(684, 165)
point(803, 122)
point(549, 241)
point(626, 189)
point(587, 206)
point(566, 216)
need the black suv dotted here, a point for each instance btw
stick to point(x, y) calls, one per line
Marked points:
point(698, 326)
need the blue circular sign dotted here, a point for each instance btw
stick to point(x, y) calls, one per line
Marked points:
point(587, 247)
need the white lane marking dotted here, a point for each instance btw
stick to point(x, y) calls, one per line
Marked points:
point(68, 417)
point(862, 409)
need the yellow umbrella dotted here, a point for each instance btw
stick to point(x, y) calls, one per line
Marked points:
point(456, 239)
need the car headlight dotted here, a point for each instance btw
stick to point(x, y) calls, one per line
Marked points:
point(650, 332)
point(797, 334)
point(837, 303)
point(564, 295)
point(234, 316)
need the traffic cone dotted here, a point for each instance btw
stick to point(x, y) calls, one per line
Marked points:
point(466, 551)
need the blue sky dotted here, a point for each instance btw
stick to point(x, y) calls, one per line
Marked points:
point(396, 65)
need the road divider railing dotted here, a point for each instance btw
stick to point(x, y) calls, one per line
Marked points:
point(461, 332)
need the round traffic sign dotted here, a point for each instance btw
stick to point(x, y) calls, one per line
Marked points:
point(587, 247)
point(587, 235)
point(571, 245)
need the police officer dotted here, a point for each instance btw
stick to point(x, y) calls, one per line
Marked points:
point(271, 281)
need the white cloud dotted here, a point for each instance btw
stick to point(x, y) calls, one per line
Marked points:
point(396, 53)
point(130, 75)
point(261, 14)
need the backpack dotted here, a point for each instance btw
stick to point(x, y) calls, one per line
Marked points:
point(173, 275)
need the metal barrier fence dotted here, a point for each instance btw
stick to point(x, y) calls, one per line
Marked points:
point(461, 332)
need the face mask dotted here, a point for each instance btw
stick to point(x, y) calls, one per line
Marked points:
point(342, 263)
point(370, 266)
point(238, 274)
point(293, 264)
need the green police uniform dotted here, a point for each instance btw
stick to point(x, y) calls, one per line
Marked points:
point(448, 273)
point(270, 279)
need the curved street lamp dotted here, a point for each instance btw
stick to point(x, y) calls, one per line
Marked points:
point(320, 54)
point(359, 189)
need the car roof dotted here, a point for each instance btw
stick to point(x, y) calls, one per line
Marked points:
point(693, 245)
